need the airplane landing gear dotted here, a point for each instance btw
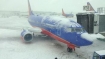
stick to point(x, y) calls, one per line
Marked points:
point(69, 49)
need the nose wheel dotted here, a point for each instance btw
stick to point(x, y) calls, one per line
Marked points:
point(69, 49)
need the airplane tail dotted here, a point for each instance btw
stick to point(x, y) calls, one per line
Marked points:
point(29, 9)
point(63, 13)
point(90, 7)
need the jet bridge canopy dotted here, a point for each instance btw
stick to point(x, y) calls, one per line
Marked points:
point(86, 20)
point(92, 22)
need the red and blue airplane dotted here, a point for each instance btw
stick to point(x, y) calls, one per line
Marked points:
point(67, 15)
point(62, 29)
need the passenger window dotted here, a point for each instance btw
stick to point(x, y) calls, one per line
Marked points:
point(78, 30)
point(68, 29)
point(73, 30)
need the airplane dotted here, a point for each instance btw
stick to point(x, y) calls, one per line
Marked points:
point(90, 7)
point(67, 15)
point(62, 29)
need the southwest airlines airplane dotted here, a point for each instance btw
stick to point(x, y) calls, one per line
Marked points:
point(67, 15)
point(62, 29)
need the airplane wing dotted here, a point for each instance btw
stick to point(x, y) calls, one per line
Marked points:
point(35, 30)
point(27, 33)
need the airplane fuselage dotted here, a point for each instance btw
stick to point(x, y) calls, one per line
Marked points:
point(69, 15)
point(61, 29)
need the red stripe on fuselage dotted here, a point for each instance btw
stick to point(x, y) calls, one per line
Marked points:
point(46, 32)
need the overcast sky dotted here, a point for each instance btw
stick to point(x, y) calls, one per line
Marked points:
point(49, 5)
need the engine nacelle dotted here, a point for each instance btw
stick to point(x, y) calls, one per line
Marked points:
point(27, 35)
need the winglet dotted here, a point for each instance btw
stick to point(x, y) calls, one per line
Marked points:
point(63, 12)
point(90, 7)
point(29, 9)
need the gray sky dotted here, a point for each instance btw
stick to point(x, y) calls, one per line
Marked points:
point(49, 5)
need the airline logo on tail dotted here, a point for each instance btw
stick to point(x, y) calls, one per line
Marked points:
point(29, 9)
point(67, 15)
point(90, 7)
point(63, 13)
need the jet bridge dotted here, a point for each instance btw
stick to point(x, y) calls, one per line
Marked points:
point(91, 21)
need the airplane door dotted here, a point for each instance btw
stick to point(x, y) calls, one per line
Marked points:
point(58, 30)
point(73, 35)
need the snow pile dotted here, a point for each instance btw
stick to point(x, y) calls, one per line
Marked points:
point(87, 36)
point(97, 35)
point(62, 22)
point(4, 33)
point(91, 37)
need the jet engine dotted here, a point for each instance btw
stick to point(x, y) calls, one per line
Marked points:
point(27, 36)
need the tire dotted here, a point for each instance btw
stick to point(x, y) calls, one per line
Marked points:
point(69, 49)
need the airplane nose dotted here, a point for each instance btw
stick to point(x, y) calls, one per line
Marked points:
point(87, 37)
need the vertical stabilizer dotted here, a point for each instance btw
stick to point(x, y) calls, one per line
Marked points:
point(63, 13)
point(29, 9)
point(90, 7)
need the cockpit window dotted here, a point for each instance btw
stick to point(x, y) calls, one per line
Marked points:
point(78, 29)
point(68, 29)
point(74, 29)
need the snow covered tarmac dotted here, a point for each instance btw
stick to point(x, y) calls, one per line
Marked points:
point(12, 47)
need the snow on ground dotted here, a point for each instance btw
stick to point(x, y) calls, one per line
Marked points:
point(12, 47)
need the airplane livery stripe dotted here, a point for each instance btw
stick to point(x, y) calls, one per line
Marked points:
point(57, 38)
